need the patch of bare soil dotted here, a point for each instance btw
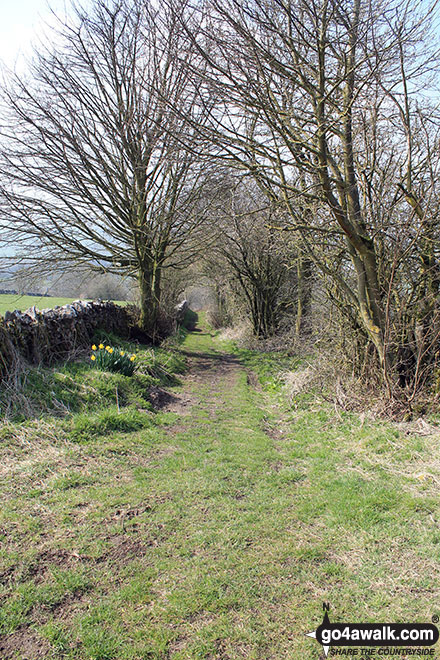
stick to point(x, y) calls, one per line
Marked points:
point(125, 548)
point(30, 646)
point(160, 398)
point(38, 567)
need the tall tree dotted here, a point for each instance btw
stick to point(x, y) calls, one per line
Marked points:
point(259, 263)
point(95, 166)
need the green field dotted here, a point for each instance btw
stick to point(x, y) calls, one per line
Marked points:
point(11, 302)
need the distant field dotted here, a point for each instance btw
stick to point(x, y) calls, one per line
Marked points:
point(11, 302)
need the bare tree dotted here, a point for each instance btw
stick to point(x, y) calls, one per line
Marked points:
point(313, 98)
point(259, 264)
point(95, 165)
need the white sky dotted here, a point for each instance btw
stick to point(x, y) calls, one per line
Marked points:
point(21, 23)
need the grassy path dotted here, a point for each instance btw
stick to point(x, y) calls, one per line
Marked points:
point(218, 531)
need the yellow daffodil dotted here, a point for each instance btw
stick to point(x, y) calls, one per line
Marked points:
point(110, 350)
point(107, 348)
point(101, 345)
point(133, 357)
point(93, 347)
point(93, 357)
point(122, 353)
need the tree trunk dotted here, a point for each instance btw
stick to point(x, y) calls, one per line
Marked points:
point(304, 271)
point(149, 290)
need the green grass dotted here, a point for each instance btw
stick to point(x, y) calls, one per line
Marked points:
point(78, 388)
point(216, 531)
point(11, 302)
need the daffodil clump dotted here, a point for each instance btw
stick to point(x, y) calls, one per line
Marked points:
point(108, 358)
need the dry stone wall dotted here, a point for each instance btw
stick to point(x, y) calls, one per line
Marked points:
point(180, 311)
point(43, 337)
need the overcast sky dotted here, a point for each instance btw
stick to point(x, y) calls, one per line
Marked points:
point(21, 22)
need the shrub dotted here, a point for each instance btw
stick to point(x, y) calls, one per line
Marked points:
point(108, 358)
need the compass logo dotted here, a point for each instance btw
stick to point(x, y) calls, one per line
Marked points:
point(374, 634)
